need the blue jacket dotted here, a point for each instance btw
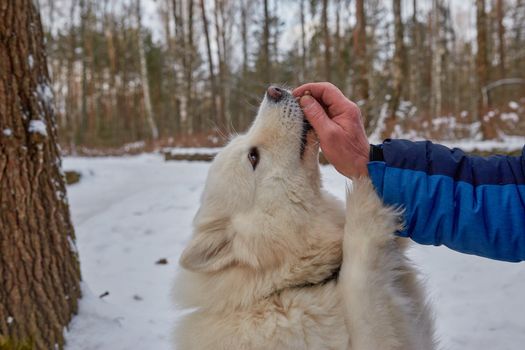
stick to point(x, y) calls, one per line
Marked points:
point(471, 204)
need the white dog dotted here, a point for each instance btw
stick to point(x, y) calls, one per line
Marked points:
point(276, 263)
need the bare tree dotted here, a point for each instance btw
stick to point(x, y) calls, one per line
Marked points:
point(303, 41)
point(38, 259)
point(144, 76)
point(327, 44)
point(245, 9)
point(220, 29)
point(398, 70)
point(482, 66)
point(265, 52)
point(415, 58)
point(213, 84)
point(359, 38)
point(181, 64)
point(84, 92)
point(501, 37)
point(438, 56)
point(189, 67)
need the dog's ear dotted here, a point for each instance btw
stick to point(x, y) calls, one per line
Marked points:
point(209, 250)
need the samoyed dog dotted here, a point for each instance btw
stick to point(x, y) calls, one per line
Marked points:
point(275, 262)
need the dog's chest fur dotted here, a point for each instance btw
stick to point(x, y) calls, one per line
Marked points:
point(298, 318)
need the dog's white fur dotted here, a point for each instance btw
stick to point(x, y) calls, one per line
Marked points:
point(257, 272)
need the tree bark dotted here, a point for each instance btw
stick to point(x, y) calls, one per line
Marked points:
point(501, 37)
point(180, 58)
point(415, 60)
point(39, 266)
point(482, 66)
point(244, 35)
point(438, 53)
point(70, 105)
point(189, 68)
point(145, 78)
point(221, 54)
point(266, 61)
point(481, 55)
point(84, 91)
point(327, 44)
point(213, 84)
point(359, 38)
point(398, 71)
point(303, 42)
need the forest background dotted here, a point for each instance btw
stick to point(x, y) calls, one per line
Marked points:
point(130, 74)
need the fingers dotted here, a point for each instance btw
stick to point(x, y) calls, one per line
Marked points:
point(316, 115)
point(318, 88)
point(330, 96)
point(325, 92)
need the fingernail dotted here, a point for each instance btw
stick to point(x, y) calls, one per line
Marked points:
point(306, 100)
point(307, 92)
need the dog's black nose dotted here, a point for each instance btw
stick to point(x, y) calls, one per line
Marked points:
point(275, 93)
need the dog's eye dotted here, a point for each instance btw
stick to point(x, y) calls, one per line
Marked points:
point(253, 157)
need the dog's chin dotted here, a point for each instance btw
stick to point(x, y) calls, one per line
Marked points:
point(308, 138)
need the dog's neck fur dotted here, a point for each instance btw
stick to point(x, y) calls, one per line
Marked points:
point(240, 287)
point(334, 275)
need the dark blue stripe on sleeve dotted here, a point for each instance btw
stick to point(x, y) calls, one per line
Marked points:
point(436, 159)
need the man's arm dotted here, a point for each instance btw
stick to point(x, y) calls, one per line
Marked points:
point(470, 204)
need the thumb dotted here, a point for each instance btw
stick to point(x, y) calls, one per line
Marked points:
point(315, 114)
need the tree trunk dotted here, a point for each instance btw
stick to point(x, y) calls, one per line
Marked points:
point(482, 66)
point(501, 38)
point(84, 91)
point(327, 46)
point(213, 84)
point(267, 69)
point(180, 58)
point(438, 53)
point(112, 58)
point(220, 32)
point(338, 59)
point(415, 60)
point(144, 78)
point(38, 259)
point(359, 38)
point(244, 35)
point(71, 108)
point(189, 69)
point(303, 43)
point(398, 71)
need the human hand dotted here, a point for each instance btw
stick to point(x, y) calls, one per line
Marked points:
point(337, 122)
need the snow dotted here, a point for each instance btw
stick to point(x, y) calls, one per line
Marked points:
point(511, 117)
point(192, 150)
point(37, 126)
point(10, 320)
point(129, 212)
point(514, 105)
point(45, 93)
point(509, 144)
point(30, 61)
point(7, 132)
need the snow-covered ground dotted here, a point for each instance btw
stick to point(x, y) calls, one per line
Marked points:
point(130, 212)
